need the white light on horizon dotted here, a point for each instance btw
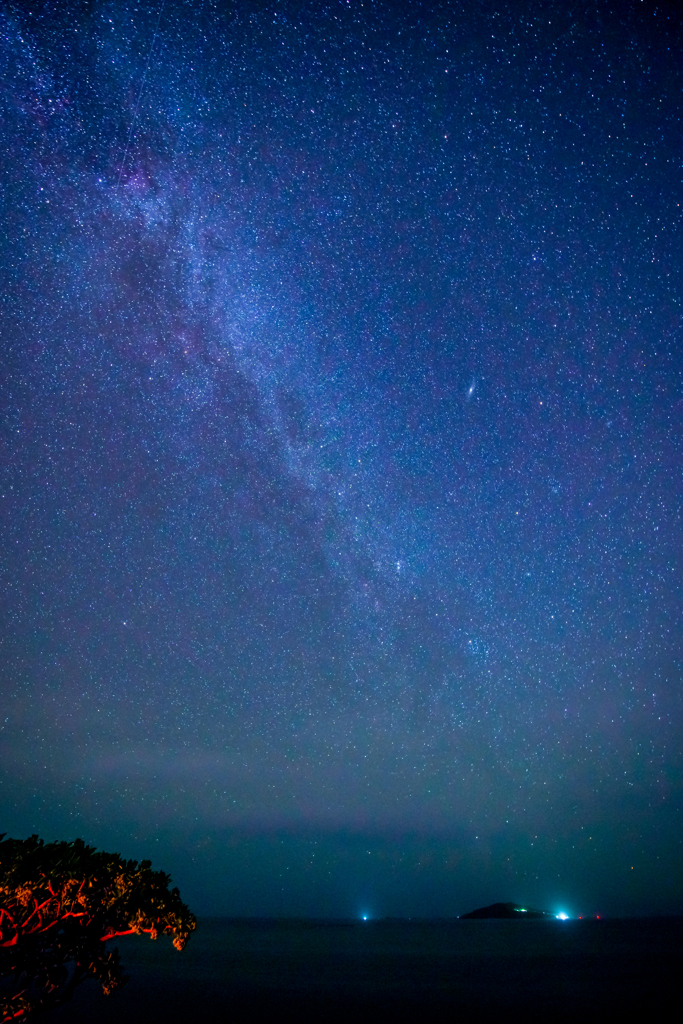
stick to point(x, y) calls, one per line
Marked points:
point(562, 916)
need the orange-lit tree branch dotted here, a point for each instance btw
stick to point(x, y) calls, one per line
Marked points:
point(59, 904)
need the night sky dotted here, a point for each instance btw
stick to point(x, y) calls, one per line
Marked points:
point(340, 453)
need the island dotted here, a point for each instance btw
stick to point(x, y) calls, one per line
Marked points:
point(506, 910)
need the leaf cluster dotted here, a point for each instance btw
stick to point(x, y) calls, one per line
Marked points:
point(59, 904)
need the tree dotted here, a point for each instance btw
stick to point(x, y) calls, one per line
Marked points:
point(59, 905)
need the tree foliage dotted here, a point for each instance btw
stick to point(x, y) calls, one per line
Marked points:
point(59, 905)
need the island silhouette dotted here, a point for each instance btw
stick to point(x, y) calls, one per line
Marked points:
point(507, 910)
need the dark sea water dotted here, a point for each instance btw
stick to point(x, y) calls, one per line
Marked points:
point(237, 971)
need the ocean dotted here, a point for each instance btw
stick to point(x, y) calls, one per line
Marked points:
point(396, 970)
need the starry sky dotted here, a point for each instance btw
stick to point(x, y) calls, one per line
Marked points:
point(340, 455)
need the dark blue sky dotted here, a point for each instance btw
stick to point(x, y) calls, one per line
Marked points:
point(340, 462)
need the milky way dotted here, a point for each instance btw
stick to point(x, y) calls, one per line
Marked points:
point(341, 456)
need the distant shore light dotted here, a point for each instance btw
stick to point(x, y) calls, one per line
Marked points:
point(562, 916)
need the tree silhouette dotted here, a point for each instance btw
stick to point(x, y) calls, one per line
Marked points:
point(59, 905)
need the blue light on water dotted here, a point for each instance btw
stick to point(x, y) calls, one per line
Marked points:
point(562, 916)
